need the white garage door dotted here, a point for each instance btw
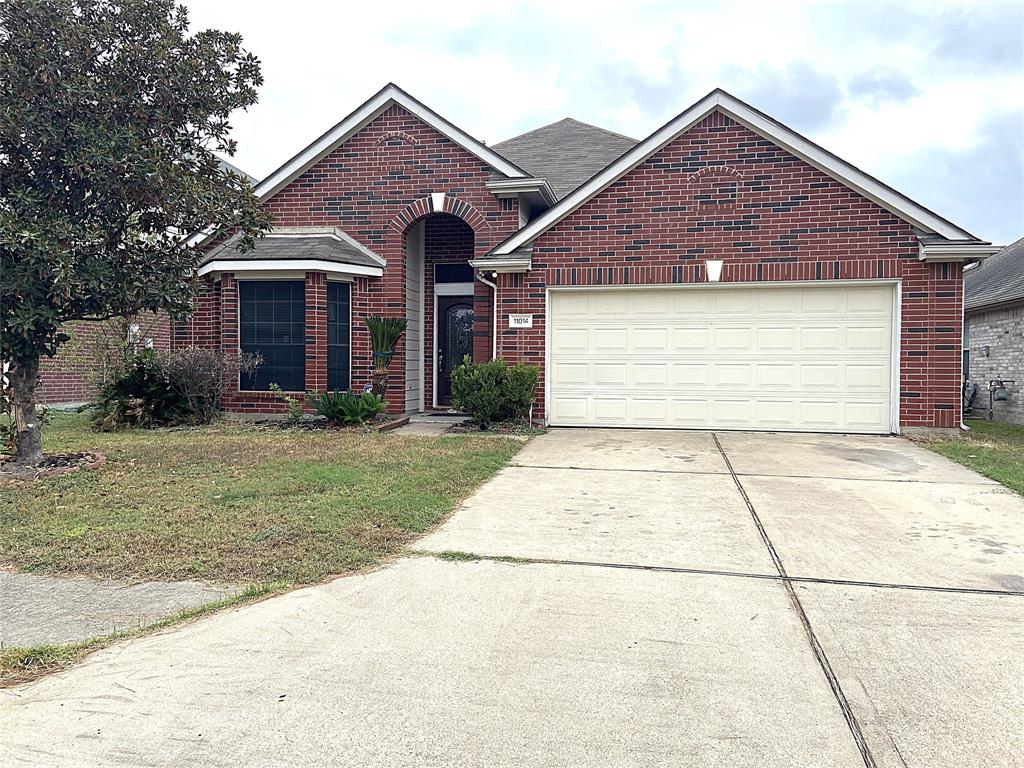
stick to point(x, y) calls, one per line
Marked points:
point(795, 358)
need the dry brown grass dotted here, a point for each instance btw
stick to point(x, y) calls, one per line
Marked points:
point(235, 503)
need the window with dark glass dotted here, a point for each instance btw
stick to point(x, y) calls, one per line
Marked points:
point(459, 272)
point(272, 324)
point(339, 335)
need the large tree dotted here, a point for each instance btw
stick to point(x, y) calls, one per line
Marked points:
point(111, 113)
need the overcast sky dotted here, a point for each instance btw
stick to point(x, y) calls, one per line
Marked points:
point(927, 97)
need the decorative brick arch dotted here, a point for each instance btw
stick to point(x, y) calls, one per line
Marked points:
point(715, 186)
point(440, 202)
point(389, 150)
point(717, 170)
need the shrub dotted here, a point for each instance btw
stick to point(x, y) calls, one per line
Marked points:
point(347, 407)
point(492, 391)
point(203, 376)
point(293, 406)
point(521, 388)
point(138, 395)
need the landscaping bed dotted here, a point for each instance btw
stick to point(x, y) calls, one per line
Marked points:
point(382, 423)
point(236, 503)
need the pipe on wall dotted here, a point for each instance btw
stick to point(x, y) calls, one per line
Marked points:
point(494, 312)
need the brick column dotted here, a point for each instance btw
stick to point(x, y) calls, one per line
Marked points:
point(228, 313)
point(316, 331)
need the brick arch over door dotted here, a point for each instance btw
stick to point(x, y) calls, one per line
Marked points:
point(427, 205)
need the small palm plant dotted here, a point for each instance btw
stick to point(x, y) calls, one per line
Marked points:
point(384, 335)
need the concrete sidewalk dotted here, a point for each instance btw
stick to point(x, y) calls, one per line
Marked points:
point(36, 610)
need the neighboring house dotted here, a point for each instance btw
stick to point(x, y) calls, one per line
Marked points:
point(74, 375)
point(81, 365)
point(994, 327)
point(723, 272)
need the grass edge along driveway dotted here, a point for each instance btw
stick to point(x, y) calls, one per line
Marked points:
point(231, 502)
point(991, 448)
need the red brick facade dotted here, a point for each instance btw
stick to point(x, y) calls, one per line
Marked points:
point(75, 374)
point(720, 191)
point(375, 186)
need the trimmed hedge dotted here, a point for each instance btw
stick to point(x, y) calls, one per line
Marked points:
point(493, 391)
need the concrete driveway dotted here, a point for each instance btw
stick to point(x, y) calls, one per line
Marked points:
point(675, 598)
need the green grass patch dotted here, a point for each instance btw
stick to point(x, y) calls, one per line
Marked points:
point(18, 665)
point(235, 503)
point(458, 556)
point(991, 448)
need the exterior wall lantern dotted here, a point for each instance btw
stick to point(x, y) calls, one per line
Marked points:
point(714, 268)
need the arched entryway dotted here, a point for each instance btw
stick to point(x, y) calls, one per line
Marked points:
point(440, 291)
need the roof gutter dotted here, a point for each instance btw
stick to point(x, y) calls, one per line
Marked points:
point(968, 250)
point(512, 187)
point(518, 264)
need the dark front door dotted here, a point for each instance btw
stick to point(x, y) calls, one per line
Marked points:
point(454, 340)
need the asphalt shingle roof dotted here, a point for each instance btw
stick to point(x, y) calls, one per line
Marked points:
point(997, 280)
point(566, 153)
point(326, 245)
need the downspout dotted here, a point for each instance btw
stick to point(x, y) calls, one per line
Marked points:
point(494, 312)
point(963, 319)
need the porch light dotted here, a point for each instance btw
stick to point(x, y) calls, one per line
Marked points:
point(714, 268)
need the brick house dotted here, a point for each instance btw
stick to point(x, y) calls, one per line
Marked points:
point(994, 330)
point(723, 272)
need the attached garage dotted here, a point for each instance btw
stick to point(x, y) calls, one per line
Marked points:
point(784, 357)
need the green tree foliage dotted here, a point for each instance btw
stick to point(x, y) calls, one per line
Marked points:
point(110, 114)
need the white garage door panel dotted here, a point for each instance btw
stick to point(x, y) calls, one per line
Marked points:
point(791, 358)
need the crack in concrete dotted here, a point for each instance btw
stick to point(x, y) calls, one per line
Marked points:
point(520, 560)
point(983, 484)
point(819, 651)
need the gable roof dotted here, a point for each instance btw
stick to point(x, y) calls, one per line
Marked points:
point(387, 96)
point(368, 111)
point(566, 153)
point(873, 189)
point(997, 280)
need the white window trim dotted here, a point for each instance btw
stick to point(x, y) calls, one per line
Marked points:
point(453, 289)
point(290, 265)
point(238, 332)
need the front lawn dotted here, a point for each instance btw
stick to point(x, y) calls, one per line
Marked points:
point(235, 503)
point(992, 448)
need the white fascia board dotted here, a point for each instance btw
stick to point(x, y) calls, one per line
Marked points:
point(785, 138)
point(293, 265)
point(624, 164)
point(512, 187)
point(840, 170)
point(389, 95)
point(956, 251)
point(501, 265)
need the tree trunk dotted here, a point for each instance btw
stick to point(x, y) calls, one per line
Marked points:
point(28, 439)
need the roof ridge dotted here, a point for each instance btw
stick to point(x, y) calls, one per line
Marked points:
point(564, 120)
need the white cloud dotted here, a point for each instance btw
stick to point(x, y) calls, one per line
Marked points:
point(889, 86)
